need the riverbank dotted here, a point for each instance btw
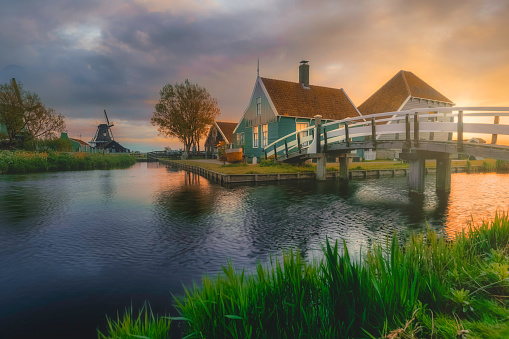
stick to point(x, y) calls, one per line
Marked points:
point(265, 171)
point(427, 287)
point(20, 162)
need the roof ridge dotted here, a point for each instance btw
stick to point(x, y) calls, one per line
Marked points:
point(296, 83)
point(403, 74)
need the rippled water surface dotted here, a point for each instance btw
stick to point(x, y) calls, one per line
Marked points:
point(75, 246)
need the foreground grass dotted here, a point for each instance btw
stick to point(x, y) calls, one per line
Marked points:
point(424, 288)
point(30, 162)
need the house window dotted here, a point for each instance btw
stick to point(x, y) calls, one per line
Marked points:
point(259, 106)
point(265, 135)
point(300, 126)
point(255, 137)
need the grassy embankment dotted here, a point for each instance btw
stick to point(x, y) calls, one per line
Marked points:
point(425, 288)
point(30, 162)
point(267, 167)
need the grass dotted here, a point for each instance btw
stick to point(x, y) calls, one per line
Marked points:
point(427, 287)
point(267, 167)
point(144, 325)
point(21, 162)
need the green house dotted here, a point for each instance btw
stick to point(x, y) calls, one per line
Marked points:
point(278, 107)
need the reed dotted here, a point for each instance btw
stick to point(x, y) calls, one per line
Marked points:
point(427, 287)
point(144, 325)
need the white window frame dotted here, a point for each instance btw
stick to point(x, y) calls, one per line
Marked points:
point(256, 137)
point(265, 135)
point(259, 106)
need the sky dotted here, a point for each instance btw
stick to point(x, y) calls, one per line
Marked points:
point(82, 57)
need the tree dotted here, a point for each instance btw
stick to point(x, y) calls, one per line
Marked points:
point(24, 117)
point(185, 111)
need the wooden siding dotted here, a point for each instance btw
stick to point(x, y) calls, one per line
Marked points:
point(267, 114)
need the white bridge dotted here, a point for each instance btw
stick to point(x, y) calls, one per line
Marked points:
point(421, 134)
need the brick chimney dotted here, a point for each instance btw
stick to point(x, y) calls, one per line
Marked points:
point(304, 73)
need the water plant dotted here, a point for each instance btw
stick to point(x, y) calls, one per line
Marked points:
point(144, 325)
point(426, 287)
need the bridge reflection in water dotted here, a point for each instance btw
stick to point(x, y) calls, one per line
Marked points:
point(420, 134)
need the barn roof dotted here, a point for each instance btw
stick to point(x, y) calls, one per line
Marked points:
point(292, 99)
point(393, 94)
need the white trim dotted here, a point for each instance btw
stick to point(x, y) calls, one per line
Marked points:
point(224, 137)
point(358, 112)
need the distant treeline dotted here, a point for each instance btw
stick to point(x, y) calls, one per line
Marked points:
point(30, 162)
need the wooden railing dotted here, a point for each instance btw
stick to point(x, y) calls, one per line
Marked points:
point(412, 124)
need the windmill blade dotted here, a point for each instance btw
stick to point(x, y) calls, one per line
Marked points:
point(106, 115)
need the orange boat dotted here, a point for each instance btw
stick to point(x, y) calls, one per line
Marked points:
point(234, 155)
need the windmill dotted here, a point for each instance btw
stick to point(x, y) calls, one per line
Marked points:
point(103, 135)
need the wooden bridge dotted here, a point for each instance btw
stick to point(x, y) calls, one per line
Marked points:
point(420, 134)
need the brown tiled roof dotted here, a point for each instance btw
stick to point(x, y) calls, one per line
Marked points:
point(81, 142)
point(291, 99)
point(227, 128)
point(391, 96)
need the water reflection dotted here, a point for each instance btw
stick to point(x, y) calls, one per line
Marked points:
point(104, 239)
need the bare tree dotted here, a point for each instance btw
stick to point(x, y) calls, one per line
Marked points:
point(25, 117)
point(185, 111)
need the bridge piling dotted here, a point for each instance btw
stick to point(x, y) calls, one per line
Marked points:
point(443, 180)
point(344, 162)
point(417, 172)
point(321, 167)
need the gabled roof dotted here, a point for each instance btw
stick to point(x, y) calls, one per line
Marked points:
point(291, 99)
point(81, 142)
point(391, 96)
point(226, 129)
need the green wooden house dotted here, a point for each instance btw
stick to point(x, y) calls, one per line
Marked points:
point(278, 107)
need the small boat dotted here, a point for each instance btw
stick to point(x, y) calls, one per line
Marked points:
point(234, 155)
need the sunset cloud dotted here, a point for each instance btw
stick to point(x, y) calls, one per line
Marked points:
point(85, 56)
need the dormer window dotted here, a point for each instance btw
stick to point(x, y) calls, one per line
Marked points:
point(259, 106)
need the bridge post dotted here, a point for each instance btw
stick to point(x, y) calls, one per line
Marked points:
point(495, 136)
point(321, 167)
point(344, 162)
point(460, 131)
point(443, 180)
point(417, 172)
point(416, 129)
point(407, 131)
point(318, 123)
point(373, 132)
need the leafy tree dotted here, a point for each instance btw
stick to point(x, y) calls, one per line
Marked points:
point(185, 111)
point(24, 117)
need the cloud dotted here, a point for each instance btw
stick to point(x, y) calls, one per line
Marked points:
point(84, 56)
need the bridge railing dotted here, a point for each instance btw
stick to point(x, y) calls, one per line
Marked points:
point(437, 123)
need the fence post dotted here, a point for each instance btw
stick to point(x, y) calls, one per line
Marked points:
point(265, 151)
point(275, 152)
point(373, 131)
point(416, 129)
point(407, 131)
point(460, 131)
point(298, 143)
point(347, 135)
point(324, 139)
point(318, 123)
point(286, 148)
point(495, 136)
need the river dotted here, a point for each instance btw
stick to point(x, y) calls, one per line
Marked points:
point(75, 246)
